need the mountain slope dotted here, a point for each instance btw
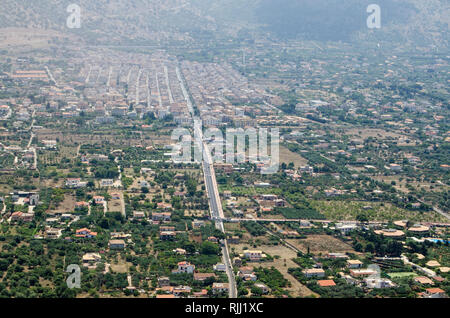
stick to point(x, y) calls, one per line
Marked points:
point(414, 22)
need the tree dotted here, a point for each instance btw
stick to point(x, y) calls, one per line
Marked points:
point(209, 248)
point(362, 218)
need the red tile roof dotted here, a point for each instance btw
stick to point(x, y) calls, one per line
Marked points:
point(326, 283)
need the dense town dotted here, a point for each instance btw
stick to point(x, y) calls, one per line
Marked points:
point(358, 207)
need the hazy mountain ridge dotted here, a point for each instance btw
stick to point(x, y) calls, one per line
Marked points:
point(403, 21)
point(111, 19)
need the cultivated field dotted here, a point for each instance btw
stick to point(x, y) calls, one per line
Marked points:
point(282, 262)
point(288, 156)
point(348, 210)
point(321, 245)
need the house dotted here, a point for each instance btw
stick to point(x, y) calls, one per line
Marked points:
point(66, 217)
point(179, 251)
point(227, 194)
point(52, 233)
point(163, 281)
point(201, 294)
point(179, 194)
point(165, 296)
point(433, 263)
point(395, 167)
point(247, 273)
point(75, 183)
point(238, 213)
point(262, 184)
point(345, 228)
point(51, 220)
point(362, 272)
point(419, 229)
point(326, 283)
point(21, 216)
point(333, 192)
point(337, 256)
point(305, 223)
point(354, 263)
point(254, 255)
point(179, 176)
point(313, 272)
point(164, 206)
point(117, 244)
point(234, 239)
point(184, 267)
point(49, 144)
point(85, 233)
point(391, 233)
point(80, 205)
point(138, 214)
point(34, 199)
point(306, 169)
point(197, 224)
point(213, 239)
point(182, 291)
point(167, 228)
point(98, 199)
point(219, 267)
point(218, 288)
point(423, 280)
point(290, 234)
point(225, 167)
point(106, 183)
point(146, 171)
point(378, 283)
point(119, 235)
point(262, 287)
point(163, 216)
point(144, 184)
point(167, 235)
point(91, 259)
point(434, 293)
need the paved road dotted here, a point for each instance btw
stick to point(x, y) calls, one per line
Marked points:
point(166, 73)
point(424, 270)
point(108, 82)
point(4, 208)
point(436, 209)
point(215, 206)
point(137, 87)
point(212, 191)
point(446, 215)
point(50, 75)
point(88, 75)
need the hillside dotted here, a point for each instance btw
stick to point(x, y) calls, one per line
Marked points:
point(414, 22)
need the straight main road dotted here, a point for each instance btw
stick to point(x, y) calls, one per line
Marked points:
point(216, 211)
point(211, 188)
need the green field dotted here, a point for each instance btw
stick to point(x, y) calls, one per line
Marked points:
point(402, 274)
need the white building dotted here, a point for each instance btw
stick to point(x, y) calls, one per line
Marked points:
point(185, 267)
point(378, 283)
point(220, 267)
